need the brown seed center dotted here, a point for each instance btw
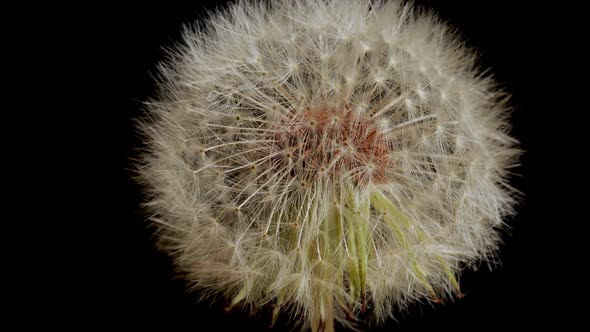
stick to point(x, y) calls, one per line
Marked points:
point(335, 143)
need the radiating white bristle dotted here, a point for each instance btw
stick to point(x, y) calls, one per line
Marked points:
point(326, 157)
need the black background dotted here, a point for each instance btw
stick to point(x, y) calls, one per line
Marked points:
point(76, 253)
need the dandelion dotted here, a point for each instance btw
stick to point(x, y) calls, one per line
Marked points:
point(327, 159)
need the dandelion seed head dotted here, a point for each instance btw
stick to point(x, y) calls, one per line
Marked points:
point(330, 159)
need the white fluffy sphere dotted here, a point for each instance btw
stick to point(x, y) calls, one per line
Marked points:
point(326, 157)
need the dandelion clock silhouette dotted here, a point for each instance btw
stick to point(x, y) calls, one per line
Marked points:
point(333, 161)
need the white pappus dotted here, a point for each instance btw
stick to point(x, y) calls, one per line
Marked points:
point(326, 159)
